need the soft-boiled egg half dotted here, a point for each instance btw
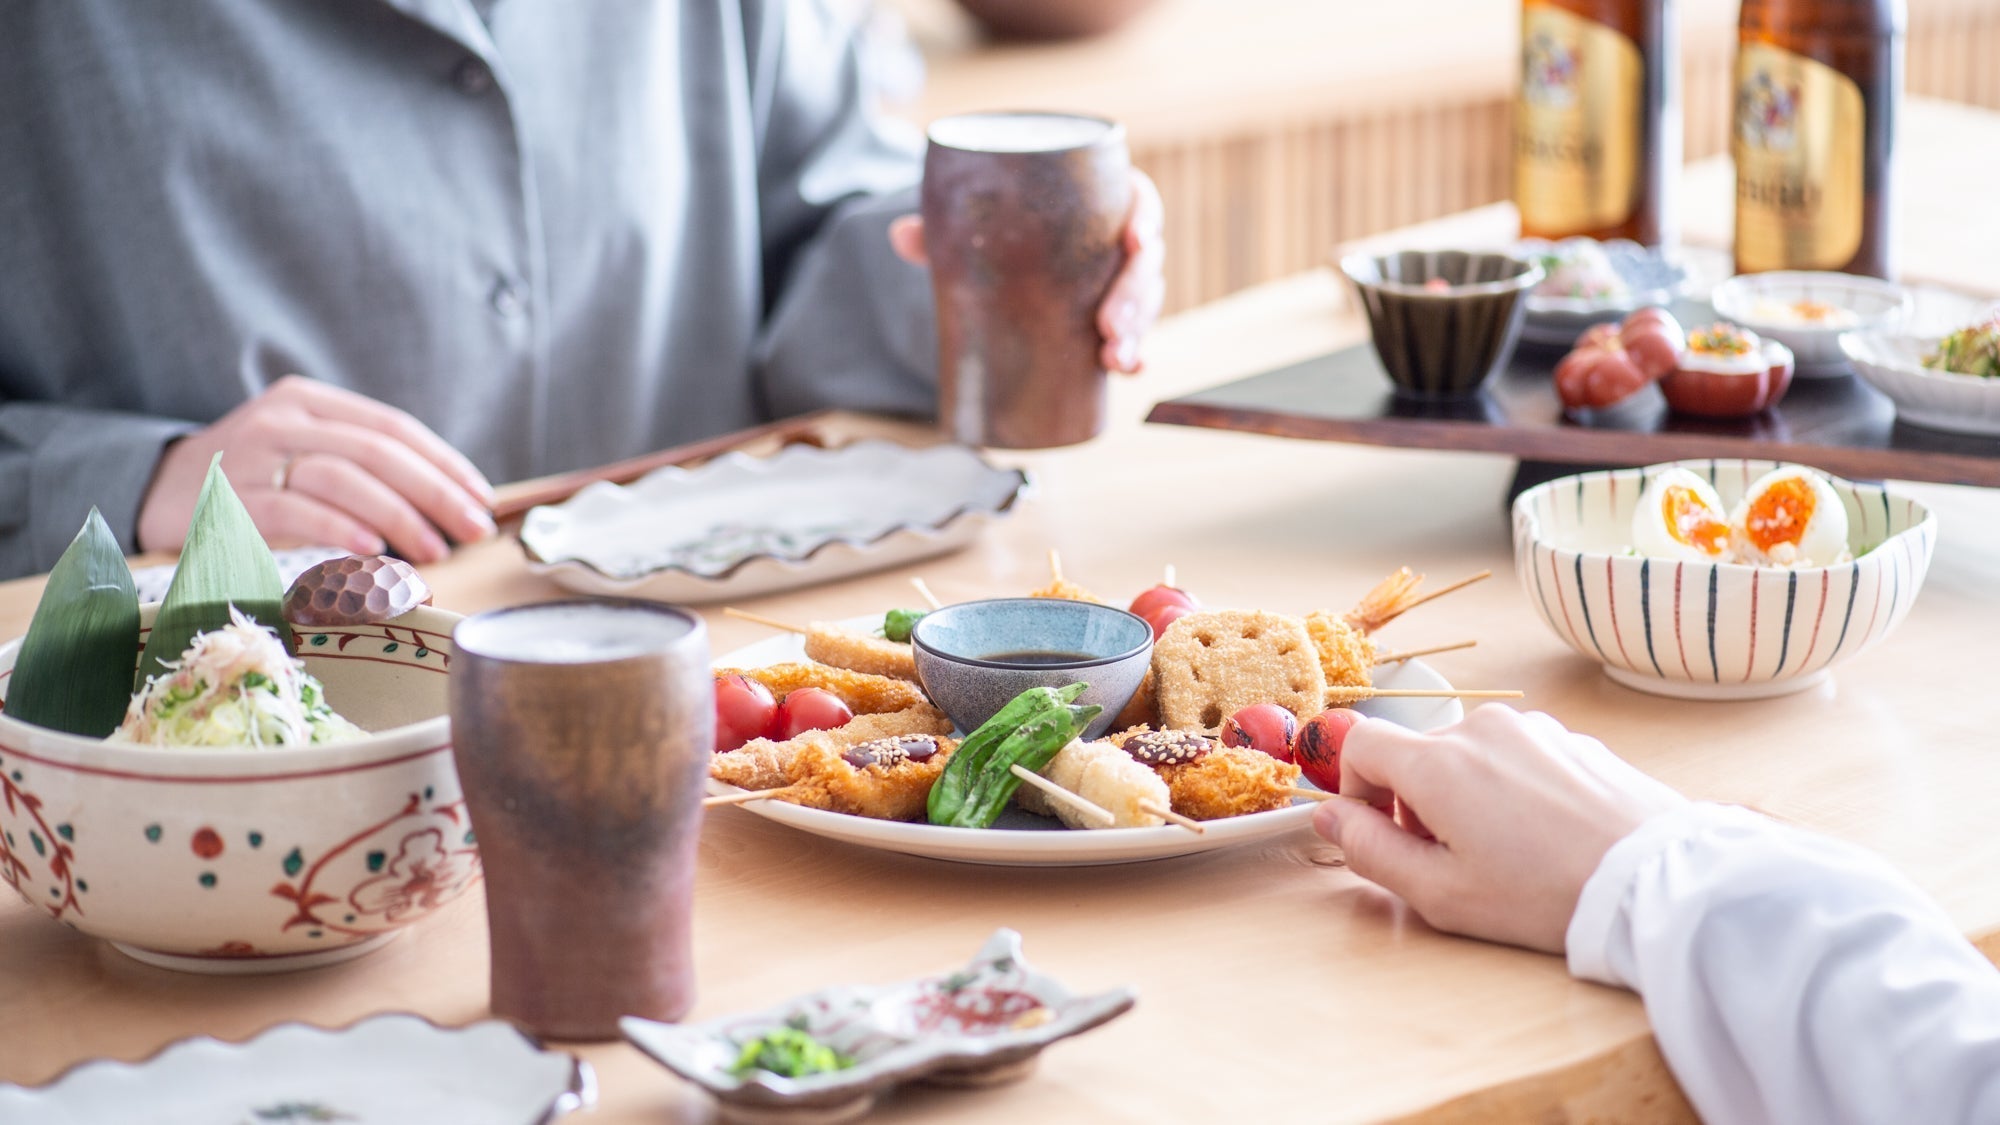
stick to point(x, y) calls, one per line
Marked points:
point(1790, 517)
point(1681, 517)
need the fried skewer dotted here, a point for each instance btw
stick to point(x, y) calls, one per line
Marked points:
point(743, 798)
point(1060, 587)
point(1057, 795)
point(924, 591)
point(841, 647)
point(1382, 658)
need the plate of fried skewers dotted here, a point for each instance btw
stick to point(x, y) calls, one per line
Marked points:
point(1221, 745)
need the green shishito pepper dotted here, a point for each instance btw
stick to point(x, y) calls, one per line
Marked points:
point(897, 624)
point(1031, 729)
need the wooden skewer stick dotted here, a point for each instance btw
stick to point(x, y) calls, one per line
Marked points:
point(1168, 578)
point(1413, 653)
point(1359, 693)
point(1063, 796)
point(1173, 818)
point(1443, 590)
point(767, 622)
point(743, 798)
point(1320, 795)
point(924, 589)
point(1055, 565)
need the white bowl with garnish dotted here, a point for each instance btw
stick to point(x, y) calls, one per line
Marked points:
point(1807, 311)
point(1588, 282)
point(1893, 363)
point(226, 860)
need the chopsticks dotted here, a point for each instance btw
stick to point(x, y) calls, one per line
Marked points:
point(515, 499)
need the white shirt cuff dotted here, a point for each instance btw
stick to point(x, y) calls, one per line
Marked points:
point(1598, 927)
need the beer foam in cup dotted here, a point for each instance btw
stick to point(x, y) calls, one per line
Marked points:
point(570, 633)
point(1018, 132)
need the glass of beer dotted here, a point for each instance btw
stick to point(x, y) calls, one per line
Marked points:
point(1024, 215)
point(582, 732)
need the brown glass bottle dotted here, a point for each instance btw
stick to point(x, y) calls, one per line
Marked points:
point(1597, 123)
point(1819, 85)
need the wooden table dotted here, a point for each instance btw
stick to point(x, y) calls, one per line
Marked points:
point(1273, 986)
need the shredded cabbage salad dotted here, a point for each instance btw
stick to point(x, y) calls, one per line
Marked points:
point(235, 686)
point(1973, 350)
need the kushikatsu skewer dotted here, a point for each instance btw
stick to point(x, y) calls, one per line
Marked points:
point(841, 647)
point(1443, 590)
point(1058, 794)
point(1342, 694)
point(1173, 818)
point(1320, 795)
point(744, 798)
point(1412, 653)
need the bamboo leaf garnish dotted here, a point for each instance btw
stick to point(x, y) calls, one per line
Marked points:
point(225, 562)
point(74, 670)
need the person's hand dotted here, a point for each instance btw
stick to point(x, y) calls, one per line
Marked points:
point(317, 464)
point(1133, 302)
point(1522, 811)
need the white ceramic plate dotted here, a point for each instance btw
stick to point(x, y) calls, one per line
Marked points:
point(1022, 839)
point(740, 526)
point(386, 1070)
point(1893, 363)
point(1651, 278)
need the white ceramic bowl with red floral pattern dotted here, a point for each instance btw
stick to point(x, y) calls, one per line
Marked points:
point(235, 861)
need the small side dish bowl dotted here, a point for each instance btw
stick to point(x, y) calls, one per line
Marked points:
point(1443, 321)
point(975, 656)
point(980, 1025)
point(1588, 282)
point(1807, 311)
point(1712, 394)
point(1893, 363)
point(249, 861)
point(1703, 630)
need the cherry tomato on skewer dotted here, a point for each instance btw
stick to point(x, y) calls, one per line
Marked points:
point(1262, 726)
point(1148, 603)
point(1317, 748)
point(744, 709)
point(810, 709)
point(1166, 615)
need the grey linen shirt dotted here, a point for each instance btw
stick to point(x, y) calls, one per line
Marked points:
point(559, 232)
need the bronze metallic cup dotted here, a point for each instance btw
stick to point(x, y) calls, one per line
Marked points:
point(1024, 215)
point(582, 733)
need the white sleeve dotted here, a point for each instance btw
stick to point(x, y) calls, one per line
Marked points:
point(1790, 977)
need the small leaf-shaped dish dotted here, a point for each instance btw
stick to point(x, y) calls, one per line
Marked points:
point(979, 1025)
point(740, 526)
point(395, 1067)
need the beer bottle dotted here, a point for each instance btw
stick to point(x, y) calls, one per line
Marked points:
point(1818, 89)
point(1597, 125)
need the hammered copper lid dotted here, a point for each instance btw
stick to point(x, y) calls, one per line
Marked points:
point(355, 590)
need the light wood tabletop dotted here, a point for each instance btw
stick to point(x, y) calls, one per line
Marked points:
point(1273, 985)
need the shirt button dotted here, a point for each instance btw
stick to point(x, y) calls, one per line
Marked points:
point(506, 300)
point(472, 77)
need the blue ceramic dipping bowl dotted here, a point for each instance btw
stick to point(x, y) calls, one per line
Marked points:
point(975, 656)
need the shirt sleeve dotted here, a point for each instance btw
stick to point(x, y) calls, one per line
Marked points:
point(1790, 977)
point(58, 462)
point(847, 323)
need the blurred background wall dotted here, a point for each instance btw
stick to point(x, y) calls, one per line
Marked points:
point(1278, 129)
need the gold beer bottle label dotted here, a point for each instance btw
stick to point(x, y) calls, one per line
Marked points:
point(1576, 126)
point(1798, 148)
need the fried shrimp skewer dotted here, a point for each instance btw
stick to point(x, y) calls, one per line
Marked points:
point(1346, 651)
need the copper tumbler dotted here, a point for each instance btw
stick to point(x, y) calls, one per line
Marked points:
point(1024, 215)
point(582, 733)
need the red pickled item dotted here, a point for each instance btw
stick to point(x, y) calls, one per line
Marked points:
point(744, 709)
point(1166, 615)
point(810, 709)
point(1317, 747)
point(1611, 363)
point(1146, 604)
point(1262, 726)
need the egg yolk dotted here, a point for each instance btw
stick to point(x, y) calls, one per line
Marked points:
point(1780, 513)
point(1693, 522)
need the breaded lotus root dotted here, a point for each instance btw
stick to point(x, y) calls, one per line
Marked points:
point(1230, 781)
point(864, 693)
point(1144, 708)
point(764, 763)
point(1346, 655)
point(882, 778)
point(1211, 665)
point(839, 647)
point(1065, 591)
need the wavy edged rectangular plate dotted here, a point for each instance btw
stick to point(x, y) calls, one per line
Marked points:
point(979, 1025)
point(740, 526)
point(388, 1068)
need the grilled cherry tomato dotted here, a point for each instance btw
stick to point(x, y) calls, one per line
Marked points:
point(810, 709)
point(1148, 603)
point(1166, 615)
point(744, 710)
point(1317, 748)
point(1262, 726)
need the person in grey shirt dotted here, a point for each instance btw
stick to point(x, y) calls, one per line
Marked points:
point(378, 252)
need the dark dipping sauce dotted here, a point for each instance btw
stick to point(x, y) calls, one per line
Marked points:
point(1039, 657)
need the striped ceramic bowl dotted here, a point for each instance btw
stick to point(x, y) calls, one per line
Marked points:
point(1701, 630)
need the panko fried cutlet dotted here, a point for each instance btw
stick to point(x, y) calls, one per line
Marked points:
point(1065, 591)
point(1210, 665)
point(1144, 708)
point(1346, 655)
point(840, 647)
point(864, 693)
point(764, 763)
point(882, 778)
point(1230, 781)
